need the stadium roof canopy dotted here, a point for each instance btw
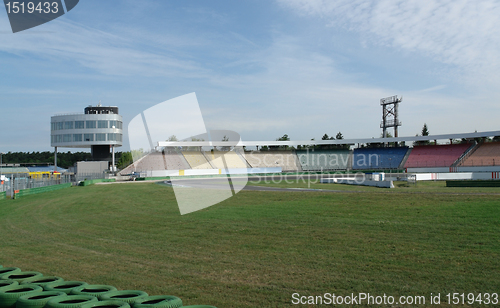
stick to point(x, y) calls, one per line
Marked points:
point(320, 142)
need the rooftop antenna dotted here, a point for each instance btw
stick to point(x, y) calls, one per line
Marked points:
point(100, 105)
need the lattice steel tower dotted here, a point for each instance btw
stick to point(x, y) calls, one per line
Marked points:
point(390, 114)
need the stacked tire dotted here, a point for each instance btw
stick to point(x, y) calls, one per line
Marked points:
point(10, 294)
point(64, 286)
point(42, 281)
point(20, 276)
point(20, 289)
point(38, 300)
point(93, 290)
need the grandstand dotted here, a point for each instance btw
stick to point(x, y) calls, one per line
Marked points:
point(485, 154)
point(223, 160)
point(318, 160)
point(197, 160)
point(435, 155)
point(364, 158)
point(287, 160)
point(378, 158)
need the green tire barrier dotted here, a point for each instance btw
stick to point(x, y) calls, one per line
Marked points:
point(9, 295)
point(37, 300)
point(158, 301)
point(8, 270)
point(70, 301)
point(64, 286)
point(473, 183)
point(42, 281)
point(3, 195)
point(93, 290)
point(107, 304)
point(38, 190)
point(21, 276)
point(8, 283)
point(128, 296)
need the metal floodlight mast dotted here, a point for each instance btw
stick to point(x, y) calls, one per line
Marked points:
point(390, 117)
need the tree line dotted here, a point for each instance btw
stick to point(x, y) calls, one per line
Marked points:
point(64, 159)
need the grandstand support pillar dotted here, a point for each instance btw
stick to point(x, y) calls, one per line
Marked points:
point(113, 158)
point(55, 159)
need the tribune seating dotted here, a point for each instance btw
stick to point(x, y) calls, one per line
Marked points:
point(318, 160)
point(435, 155)
point(197, 160)
point(378, 158)
point(176, 161)
point(268, 159)
point(232, 159)
point(151, 161)
point(487, 154)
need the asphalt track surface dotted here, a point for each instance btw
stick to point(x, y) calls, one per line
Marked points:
point(221, 183)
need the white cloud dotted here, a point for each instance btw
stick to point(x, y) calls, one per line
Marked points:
point(461, 33)
point(106, 53)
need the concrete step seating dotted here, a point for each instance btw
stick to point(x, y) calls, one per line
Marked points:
point(487, 154)
point(268, 159)
point(232, 159)
point(197, 160)
point(323, 159)
point(435, 155)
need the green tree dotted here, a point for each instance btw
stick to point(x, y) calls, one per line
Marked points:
point(281, 147)
point(225, 139)
point(425, 130)
point(125, 160)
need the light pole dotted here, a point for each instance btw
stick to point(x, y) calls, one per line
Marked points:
point(1, 165)
point(1, 178)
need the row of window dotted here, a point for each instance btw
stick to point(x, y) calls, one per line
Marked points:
point(86, 137)
point(86, 124)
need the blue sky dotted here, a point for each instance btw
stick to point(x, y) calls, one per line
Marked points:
point(261, 68)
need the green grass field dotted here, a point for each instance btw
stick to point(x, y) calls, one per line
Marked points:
point(258, 248)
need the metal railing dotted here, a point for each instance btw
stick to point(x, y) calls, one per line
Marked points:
point(23, 181)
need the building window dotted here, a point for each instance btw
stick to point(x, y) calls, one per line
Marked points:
point(77, 138)
point(88, 137)
point(120, 125)
point(52, 125)
point(112, 124)
point(90, 124)
point(52, 139)
point(119, 137)
point(79, 124)
point(68, 125)
point(66, 138)
point(58, 138)
point(100, 137)
point(59, 125)
point(102, 124)
point(111, 137)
